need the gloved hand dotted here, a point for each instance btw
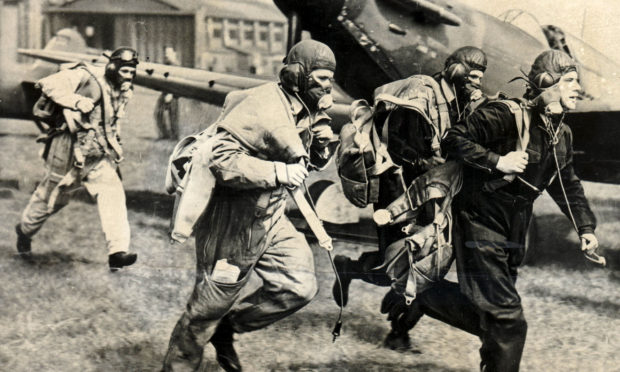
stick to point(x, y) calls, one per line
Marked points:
point(513, 162)
point(291, 175)
point(475, 95)
point(589, 244)
point(85, 105)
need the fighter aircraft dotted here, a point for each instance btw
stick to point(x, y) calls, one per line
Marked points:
point(377, 41)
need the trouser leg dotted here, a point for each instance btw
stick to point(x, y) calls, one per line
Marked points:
point(289, 281)
point(208, 304)
point(445, 302)
point(103, 184)
point(489, 281)
point(364, 268)
point(36, 212)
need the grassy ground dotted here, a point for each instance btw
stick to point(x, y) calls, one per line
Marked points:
point(67, 312)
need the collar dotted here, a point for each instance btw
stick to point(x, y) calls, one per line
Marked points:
point(296, 105)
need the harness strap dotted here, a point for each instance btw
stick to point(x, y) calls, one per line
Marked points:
point(106, 107)
point(441, 124)
point(522, 120)
point(314, 222)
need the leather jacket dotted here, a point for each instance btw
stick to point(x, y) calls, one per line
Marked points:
point(491, 132)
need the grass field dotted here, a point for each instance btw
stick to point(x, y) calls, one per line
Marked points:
point(67, 312)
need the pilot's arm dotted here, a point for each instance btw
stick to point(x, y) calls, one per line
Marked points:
point(61, 88)
point(234, 166)
point(580, 208)
point(470, 140)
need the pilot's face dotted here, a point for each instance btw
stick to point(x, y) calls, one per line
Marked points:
point(569, 90)
point(323, 77)
point(468, 87)
point(126, 75)
point(320, 83)
point(475, 77)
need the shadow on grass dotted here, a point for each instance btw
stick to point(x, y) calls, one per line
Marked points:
point(55, 258)
point(24, 135)
point(371, 331)
point(150, 202)
point(48, 261)
point(143, 201)
point(367, 365)
point(605, 308)
point(141, 356)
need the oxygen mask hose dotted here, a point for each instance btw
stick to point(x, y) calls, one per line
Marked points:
point(308, 210)
point(329, 248)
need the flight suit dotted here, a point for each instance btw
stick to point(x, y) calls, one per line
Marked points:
point(85, 152)
point(260, 131)
point(491, 225)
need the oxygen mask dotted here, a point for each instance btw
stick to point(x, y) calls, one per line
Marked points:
point(319, 88)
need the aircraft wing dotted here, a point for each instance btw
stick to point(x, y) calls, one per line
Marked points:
point(202, 85)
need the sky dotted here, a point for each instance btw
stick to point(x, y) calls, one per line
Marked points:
point(595, 21)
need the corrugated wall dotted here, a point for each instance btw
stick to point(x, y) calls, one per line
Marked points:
point(149, 34)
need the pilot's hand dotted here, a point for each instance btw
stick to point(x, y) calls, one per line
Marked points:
point(85, 105)
point(322, 134)
point(513, 162)
point(475, 95)
point(292, 175)
point(589, 242)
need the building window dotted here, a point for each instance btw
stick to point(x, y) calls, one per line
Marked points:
point(248, 31)
point(263, 35)
point(233, 34)
point(216, 24)
point(277, 36)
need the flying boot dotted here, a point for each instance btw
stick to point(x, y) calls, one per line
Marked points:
point(222, 341)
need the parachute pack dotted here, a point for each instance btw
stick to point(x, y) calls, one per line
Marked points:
point(190, 156)
point(363, 156)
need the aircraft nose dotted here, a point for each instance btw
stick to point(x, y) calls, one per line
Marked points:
point(311, 12)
